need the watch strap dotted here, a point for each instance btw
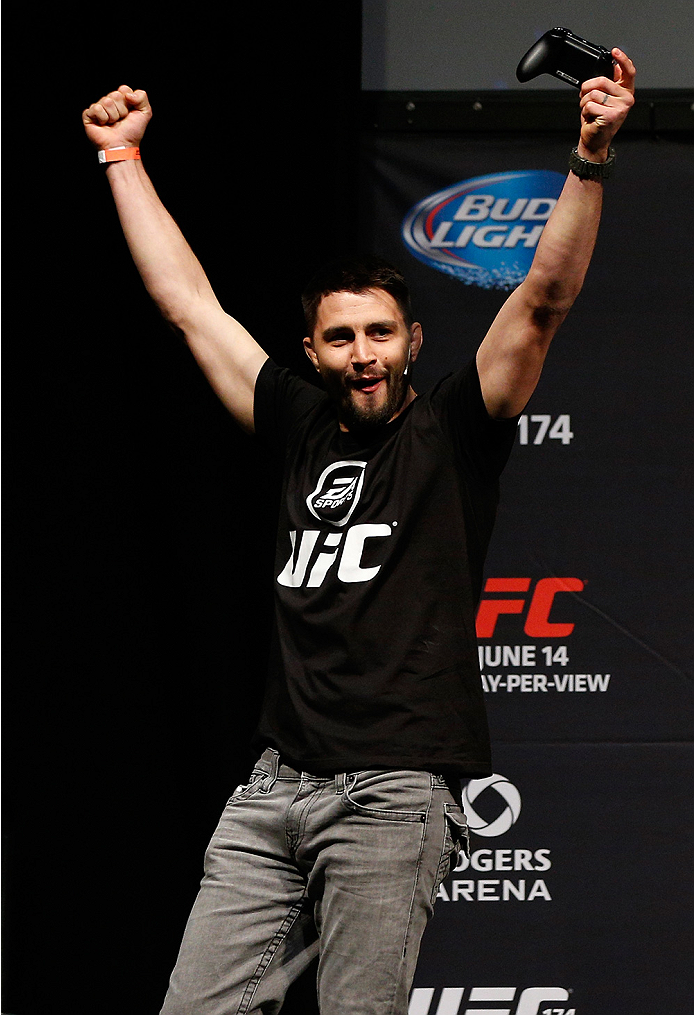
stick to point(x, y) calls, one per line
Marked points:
point(587, 170)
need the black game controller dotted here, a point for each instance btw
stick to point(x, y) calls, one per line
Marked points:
point(567, 57)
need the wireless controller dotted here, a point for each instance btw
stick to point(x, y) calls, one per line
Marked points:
point(566, 56)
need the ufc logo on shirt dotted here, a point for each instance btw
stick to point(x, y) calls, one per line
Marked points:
point(345, 550)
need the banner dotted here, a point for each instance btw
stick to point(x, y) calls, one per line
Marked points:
point(577, 897)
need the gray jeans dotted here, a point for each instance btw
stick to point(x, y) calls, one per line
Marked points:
point(344, 867)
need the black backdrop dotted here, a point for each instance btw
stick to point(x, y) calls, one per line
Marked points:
point(137, 557)
point(137, 518)
point(578, 897)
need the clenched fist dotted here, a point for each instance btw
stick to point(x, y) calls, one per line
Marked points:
point(605, 104)
point(119, 118)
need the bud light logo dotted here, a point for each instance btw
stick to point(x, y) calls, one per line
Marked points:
point(484, 231)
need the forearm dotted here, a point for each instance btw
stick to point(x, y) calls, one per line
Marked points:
point(566, 245)
point(228, 355)
point(170, 271)
point(510, 358)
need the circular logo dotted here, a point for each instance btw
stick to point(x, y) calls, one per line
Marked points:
point(509, 815)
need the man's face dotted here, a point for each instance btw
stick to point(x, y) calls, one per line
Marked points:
point(362, 349)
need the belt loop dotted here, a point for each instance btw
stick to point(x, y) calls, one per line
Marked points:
point(273, 758)
point(340, 783)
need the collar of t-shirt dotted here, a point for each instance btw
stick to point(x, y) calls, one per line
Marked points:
point(349, 441)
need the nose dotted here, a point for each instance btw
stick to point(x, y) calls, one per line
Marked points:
point(362, 352)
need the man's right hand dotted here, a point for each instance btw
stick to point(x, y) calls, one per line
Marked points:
point(119, 118)
point(228, 355)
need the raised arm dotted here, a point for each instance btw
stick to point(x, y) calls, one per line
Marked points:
point(511, 357)
point(226, 352)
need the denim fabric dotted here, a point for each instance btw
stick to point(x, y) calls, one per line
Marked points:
point(343, 867)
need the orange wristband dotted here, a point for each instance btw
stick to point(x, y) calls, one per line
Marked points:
point(118, 154)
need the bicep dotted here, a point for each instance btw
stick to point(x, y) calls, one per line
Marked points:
point(229, 357)
point(512, 354)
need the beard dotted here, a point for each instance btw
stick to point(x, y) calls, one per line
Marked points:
point(359, 413)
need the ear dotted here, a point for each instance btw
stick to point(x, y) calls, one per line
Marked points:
point(311, 352)
point(416, 339)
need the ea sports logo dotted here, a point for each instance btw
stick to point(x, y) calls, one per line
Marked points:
point(510, 802)
point(337, 492)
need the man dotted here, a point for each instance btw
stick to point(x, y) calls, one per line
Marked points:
point(373, 709)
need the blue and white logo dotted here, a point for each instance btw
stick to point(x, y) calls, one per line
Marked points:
point(484, 231)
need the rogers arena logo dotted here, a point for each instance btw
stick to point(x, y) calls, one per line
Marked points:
point(508, 816)
point(516, 868)
point(484, 231)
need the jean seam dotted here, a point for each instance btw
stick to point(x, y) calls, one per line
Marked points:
point(294, 841)
point(445, 853)
point(268, 956)
point(415, 884)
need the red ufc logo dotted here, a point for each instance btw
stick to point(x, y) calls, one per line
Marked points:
point(537, 622)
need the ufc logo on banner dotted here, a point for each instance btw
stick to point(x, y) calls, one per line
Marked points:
point(531, 1001)
point(539, 605)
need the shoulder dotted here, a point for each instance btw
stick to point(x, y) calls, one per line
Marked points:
point(457, 404)
point(458, 394)
point(281, 399)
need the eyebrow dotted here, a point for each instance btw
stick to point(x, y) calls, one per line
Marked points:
point(345, 329)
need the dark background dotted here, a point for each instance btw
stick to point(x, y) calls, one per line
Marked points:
point(604, 779)
point(138, 519)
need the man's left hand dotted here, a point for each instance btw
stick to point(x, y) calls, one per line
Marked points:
point(604, 106)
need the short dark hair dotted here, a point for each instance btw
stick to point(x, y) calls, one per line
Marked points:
point(355, 275)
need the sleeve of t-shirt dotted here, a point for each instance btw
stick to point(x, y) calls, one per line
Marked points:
point(483, 443)
point(280, 400)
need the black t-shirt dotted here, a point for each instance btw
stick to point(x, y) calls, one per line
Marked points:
point(380, 550)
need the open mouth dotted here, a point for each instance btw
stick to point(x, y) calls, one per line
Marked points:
point(368, 384)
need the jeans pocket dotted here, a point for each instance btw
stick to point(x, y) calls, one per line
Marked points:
point(388, 795)
point(456, 822)
point(246, 790)
point(456, 836)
